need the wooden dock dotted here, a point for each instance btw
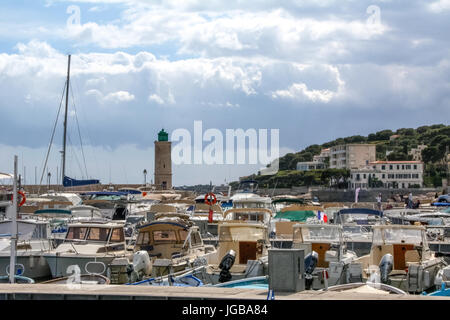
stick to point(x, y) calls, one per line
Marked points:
point(124, 292)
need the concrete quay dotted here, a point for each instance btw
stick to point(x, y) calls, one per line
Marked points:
point(123, 292)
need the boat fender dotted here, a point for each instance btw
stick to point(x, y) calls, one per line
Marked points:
point(386, 265)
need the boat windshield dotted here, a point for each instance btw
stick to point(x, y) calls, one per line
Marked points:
point(246, 216)
point(241, 233)
point(98, 234)
point(76, 233)
point(239, 205)
point(316, 233)
point(359, 218)
point(398, 235)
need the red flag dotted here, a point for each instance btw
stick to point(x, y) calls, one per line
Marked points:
point(325, 218)
point(210, 216)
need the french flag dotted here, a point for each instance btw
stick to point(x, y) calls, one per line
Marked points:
point(322, 216)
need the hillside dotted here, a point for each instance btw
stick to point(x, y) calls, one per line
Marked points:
point(435, 137)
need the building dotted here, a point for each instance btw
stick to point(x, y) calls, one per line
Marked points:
point(417, 152)
point(390, 174)
point(319, 162)
point(322, 157)
point(352, 156)
point(310, 165)
point(163, 161)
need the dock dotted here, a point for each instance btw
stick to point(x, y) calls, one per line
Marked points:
point(124, 292)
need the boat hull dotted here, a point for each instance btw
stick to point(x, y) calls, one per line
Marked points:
point(62, 266)
point(34, 266)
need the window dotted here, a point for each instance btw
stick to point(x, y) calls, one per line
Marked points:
point(143, 238)
point(364, 175)
point(382, 176)
point(415, 167)
point(398, 167)
point(196, 240)
point(383, 167)
point(164, 236)
point(76, 233)
point(117, 235)
point(403, 167)
point(98, 234)
point(408, 167)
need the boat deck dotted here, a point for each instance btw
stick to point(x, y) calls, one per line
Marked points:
point(123, 292)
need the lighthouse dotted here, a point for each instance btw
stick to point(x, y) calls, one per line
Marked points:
point(163, 161)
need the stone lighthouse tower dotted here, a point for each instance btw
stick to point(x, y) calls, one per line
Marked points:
point(163, 161)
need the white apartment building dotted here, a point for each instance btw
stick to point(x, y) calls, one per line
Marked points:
point(393, 174)
point(352, 156)
point(317, 163)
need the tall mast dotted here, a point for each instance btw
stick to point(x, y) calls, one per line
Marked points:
point(65, 122)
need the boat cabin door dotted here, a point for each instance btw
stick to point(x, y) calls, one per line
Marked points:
point(247, 251)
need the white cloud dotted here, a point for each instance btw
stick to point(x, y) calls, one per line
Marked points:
point(439, 6)
point(119, 96)
point(154, 97)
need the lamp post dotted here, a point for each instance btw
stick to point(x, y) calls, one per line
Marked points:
point(145, 177)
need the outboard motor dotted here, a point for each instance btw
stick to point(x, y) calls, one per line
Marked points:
point(225, 266)
point(141, 266)
point(310, 264)
point(386, 266)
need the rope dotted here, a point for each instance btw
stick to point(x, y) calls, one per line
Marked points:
point(51, 140)
point(79, 133)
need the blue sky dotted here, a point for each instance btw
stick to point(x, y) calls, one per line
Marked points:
point(315, 70)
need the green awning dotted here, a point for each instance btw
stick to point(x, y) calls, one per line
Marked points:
point(299, 216)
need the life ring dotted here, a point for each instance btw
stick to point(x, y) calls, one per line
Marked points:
point(207, 198)
point(23, 198)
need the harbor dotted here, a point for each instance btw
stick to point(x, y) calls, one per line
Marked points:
point(224, 159)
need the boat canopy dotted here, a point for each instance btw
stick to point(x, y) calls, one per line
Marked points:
point(53, 212)
point(283, 200)
point(360, 211)
point(297, 215)
point(69, 182)
point(441, 204)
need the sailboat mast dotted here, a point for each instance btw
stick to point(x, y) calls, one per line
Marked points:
point(65, 122)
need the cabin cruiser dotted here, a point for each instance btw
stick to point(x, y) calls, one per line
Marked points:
point(328, 252)
point(200, 217)
point(242, 252)
point(89, 246)
point(283, 221)
point(33, 242)
point(358, 216)
point(250, 215)
point(246, 190)
point(400, 257)
point(169, 244)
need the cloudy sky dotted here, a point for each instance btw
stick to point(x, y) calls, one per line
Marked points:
point(314, 69)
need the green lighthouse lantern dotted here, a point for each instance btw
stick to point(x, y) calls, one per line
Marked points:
point(163, 136)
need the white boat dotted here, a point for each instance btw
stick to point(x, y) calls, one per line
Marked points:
point(400, 257)
point(241, 252)
point(168, 245)
point(325, 243)
point(32, 244)
point(88, 246)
